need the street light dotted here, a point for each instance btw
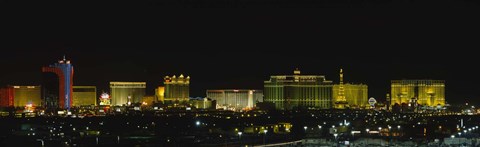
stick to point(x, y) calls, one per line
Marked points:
point(390, 134)
point(264, 136)
point(240, 137)
point(335, 135)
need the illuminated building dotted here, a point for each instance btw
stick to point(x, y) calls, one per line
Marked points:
point(235, 99)
point(298, 91)
point(203, 103)
point(125, 93)
point(356, 95)
point(350, 95)
point(425, 92)
point(160, 93)
point(340, 100)
point(84, 96)
point(177, 90)
point(6, 96)
point(58, 89)
point(20, 96)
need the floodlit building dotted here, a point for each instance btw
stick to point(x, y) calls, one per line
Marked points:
point(57, 84)
point(203, 103)
point(425, 92)
point(356, 95)
point(160, 94)
point(84, 96)
point(177, 89)
point(350, 95)
point(125, 93)
point(298, 91)
point(235, 99)
point(20, 96)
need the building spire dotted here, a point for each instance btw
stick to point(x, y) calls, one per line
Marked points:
point(341, 76)
point(341, 101)
point(64, 57)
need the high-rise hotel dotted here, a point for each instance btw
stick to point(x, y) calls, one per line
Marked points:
point(237, 99)
point(425, 92)
point(177, 89)
point(57, 85)
point(126, 93)
point(298, 91)
point(354, 96)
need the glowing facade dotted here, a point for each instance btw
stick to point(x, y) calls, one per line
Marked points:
point(297, 91)
point(84, 96)
point(235, 99)
point(125, 93)
point(340, 100)
point(426, 92)
point(177, 89)
point(64, 71)
point(356, 95)
point(20, 96)
point(160, 94)
point(349, 95)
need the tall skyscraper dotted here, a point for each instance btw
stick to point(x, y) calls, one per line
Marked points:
point(425, 92)
point(177, 90)
point(125, 93)
point(235, 99)
point(298, 91)
point(6, 96)
point(20, 96)
point(350, 95)
point(63, 71)
point(84, 96)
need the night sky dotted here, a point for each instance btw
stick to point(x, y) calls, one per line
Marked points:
point(240, 48)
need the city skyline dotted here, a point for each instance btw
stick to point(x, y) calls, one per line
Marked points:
point(246, 81)
point(240, 49)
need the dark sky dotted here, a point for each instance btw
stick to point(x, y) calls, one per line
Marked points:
point(241, 47)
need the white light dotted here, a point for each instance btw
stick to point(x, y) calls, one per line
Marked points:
point(305, 127)
point(319, 126)
point(379, 128)
point(198, 123)
point(240, 133)
point(265, 131)
point(335, 134)
point(453, 136)
point(398, 126)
